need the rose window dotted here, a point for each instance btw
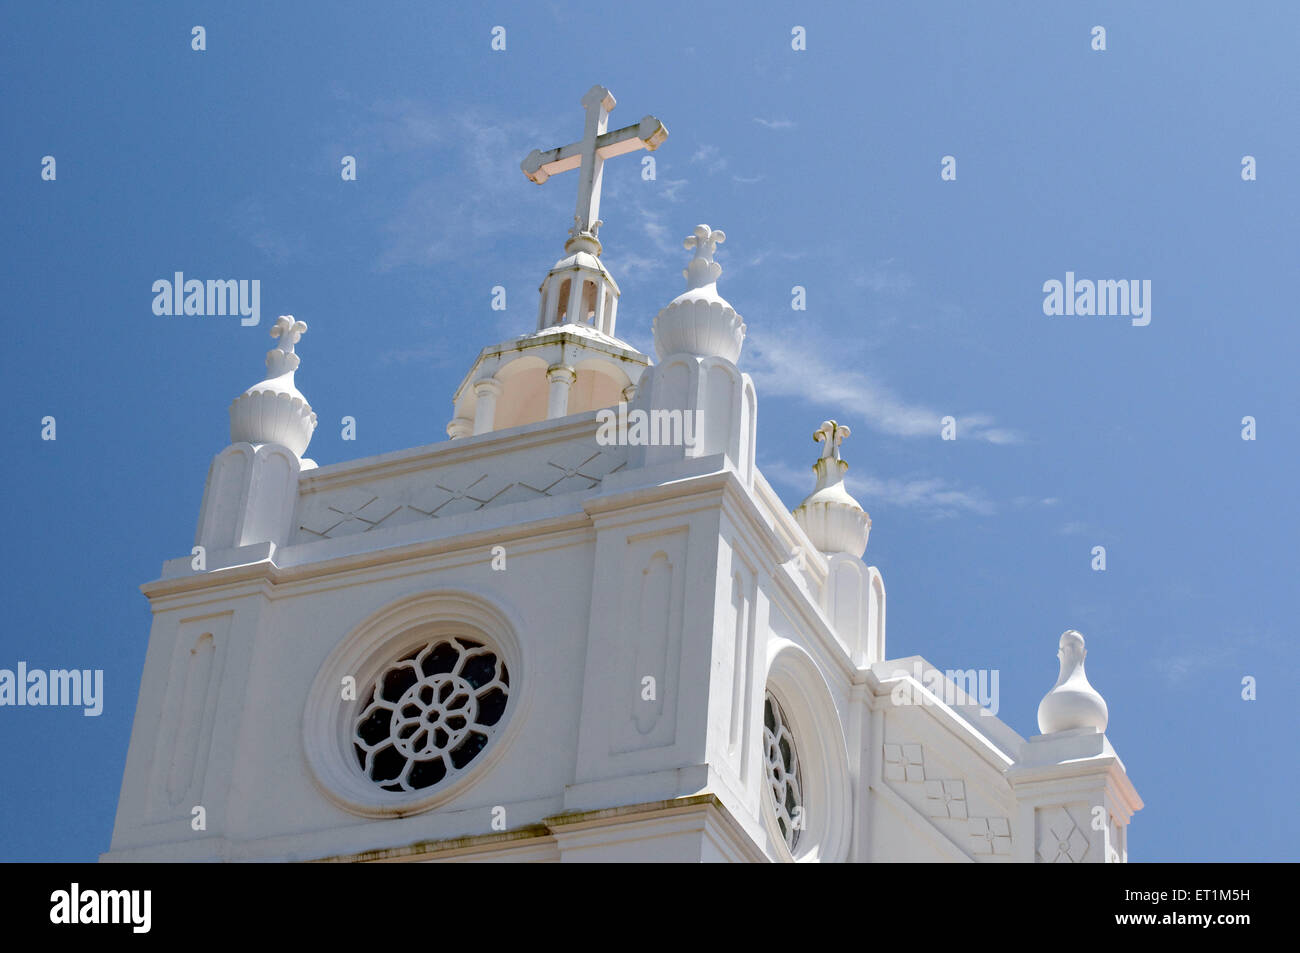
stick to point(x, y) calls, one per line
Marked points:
point(782, 763)
point(430, 713)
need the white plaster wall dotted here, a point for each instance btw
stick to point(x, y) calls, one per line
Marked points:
point(256, 783)
point(687, 570)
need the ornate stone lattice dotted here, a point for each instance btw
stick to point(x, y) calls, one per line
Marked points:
point(783, 778)
point(430, 713)
point(359, 509)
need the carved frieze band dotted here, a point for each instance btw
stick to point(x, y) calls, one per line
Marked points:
point(359, 510)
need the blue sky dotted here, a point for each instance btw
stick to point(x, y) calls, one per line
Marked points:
point(924, 299)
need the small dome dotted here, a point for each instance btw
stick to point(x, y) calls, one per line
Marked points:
point(1072, 702)
point(580, 259)
point(834, 521)
point(274, 410)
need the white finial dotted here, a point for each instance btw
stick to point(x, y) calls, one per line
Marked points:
point(588, 155)
point(699, 321)
point(289, 331)
point(834, 521)
point(274, 410)
point(703, 270)
point(281, 359)
point(832, 434)
point(1072, 702)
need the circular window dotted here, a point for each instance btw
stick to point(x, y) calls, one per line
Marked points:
point(783, 779)
point(430, 713)
point(416, 703)
point(807, 808)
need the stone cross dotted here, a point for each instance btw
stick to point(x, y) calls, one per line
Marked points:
point(588, 155)
point(703, 270)
point(288, 331)
point(705, 241)
point(832, 434)
point(281, 359)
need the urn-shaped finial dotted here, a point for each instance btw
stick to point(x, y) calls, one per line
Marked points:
point(833, 520)
point(699, 321)
point(1072, 702)
point(273, 410)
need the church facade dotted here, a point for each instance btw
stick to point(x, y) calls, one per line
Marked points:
point(584, 628)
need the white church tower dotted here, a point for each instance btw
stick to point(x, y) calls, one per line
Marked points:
point(584, 628)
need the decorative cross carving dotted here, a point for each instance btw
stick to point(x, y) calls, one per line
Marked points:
point(705, 241)
point(589, 154)
point(946, 798)
point(281, 359)
point(990, 835)
point(289, 332)
point(703, 270)
point(832, 435)
point(1061, 842)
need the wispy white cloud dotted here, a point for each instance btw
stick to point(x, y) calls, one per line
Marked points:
point(251, 220)
point(793, 365)
point(434, 222)
point(884, 277)
point(781, 254)
point(931, 496)
point(710, 157)
point(1031, 502)
point(774, 123)
point(402, 125)
point(629, 266)
point(1178, 668)
point(670, 189)
point(657, 233)
point(429, 356)
point(1243, 649)
point(748, 180)
point(934, 495)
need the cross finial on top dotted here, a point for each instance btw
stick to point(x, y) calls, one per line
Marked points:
point(705, 241)
point(832, 435)
point(588, 155)
point(281, 358)
point(703, 270)
point(289, 331)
